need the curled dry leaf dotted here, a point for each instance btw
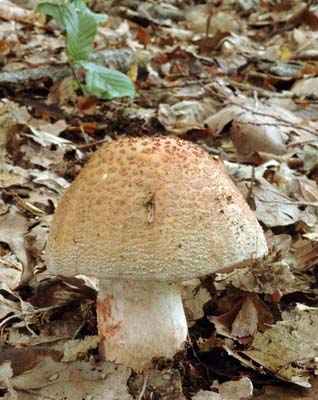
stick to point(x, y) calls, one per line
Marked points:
point(265, 277)
point(253, 128)
point(278, 244)
point(306, 88)
point(72, 348)
point(10, 270)
point(13, 226)
point(7, 306)
point(207, 395)
point(197, 20)
point(21, 310)
point(303, 254)
point(7, 109)
point(286, 349)
point(311, 157)
point(242, 317)
point(194, 297)
point(239, 389)
point(274, 208)
point(185, 115)
point(6, 374)
point(282, 200)
point(50, 180)
point(257, 127)
point(252, 133)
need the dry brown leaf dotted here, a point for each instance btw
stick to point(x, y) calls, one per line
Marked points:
point(7, 120)
point(274, 208)
point(7, 307)
point(5, 377)
point(254, 128)
point(11, 11)
point(242, 317)
point(12, 178)
point(10, 271)
point(240, 389)
point(50, 180)
point(265, 277)
point(303, 254)
point(73, 348)
point(71, 381)
point(311, 157)
point(278, 244)
point(289, 392)
point(62, 92)
point(287, 349)
point(13, 226)
point(287, 200)
point(197, 17)
point(185, 115)
point(194, 297)
point(306, 88)
point(258, 127)
point(207, 395)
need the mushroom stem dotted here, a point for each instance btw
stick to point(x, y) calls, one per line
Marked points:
point(139, 320)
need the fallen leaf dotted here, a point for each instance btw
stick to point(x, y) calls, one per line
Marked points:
point(184, 116)
point(73, 381)
point(306, 88)
point(207, 395)
point(240, 389)
point(242, 317)
point(286, 349)
point(264, 277)
point(13, 226)
point(194, 297)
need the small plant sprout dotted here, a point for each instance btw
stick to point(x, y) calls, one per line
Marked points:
point(80, 26)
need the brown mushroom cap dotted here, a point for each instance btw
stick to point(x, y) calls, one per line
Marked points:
point(152, 209)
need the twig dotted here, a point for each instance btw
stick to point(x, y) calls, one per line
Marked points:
point(289, 202)
point(89, 145)
point(144, 387)
point(74, 73)
point(302, 142)
point(249, 197)
point(35, 393)
point(84, 134)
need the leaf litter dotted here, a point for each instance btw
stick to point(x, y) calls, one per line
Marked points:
point(238, 78)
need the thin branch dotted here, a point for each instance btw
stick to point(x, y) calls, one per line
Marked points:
point(144, 387)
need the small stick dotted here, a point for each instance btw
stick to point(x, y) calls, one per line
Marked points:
point(144, 387)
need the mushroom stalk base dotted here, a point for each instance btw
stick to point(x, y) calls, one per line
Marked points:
point(139, 320)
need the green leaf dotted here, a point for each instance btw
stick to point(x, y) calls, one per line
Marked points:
point(75, 84)
point(99, 18)
point(81, 7)
point(60, 8)
point(106, 83)
point(81, 28)
point(55, 11)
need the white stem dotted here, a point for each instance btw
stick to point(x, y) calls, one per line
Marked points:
point(139, 320)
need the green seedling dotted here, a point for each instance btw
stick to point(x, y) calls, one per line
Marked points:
point(80, 26)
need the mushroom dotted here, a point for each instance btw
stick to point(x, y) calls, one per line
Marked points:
point(144, 215)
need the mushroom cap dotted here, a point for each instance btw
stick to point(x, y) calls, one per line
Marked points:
point(152, 209)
